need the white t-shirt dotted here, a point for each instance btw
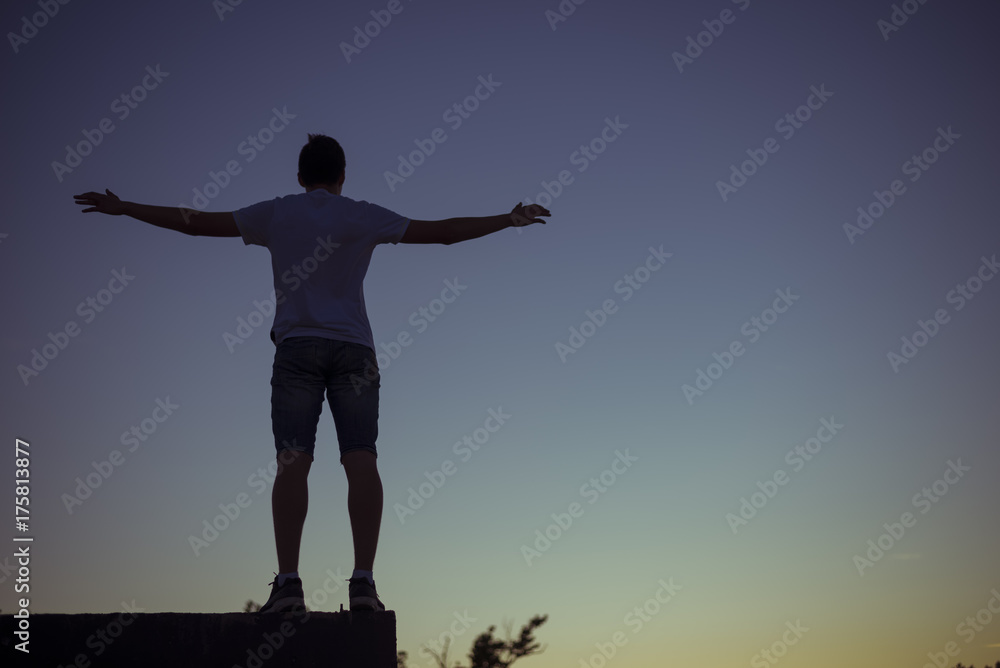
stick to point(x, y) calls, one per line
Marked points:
point(321, 245)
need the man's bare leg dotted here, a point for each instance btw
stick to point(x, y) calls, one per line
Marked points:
point(289, 503)
point(364, 504)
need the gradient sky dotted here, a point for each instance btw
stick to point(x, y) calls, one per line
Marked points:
point(495, 346)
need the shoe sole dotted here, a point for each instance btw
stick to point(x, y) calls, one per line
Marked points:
point(283, 606)
point(365, 603)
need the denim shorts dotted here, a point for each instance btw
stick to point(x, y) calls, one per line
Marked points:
point(306, 367)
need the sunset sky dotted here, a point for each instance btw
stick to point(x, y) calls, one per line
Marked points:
point(735, 404)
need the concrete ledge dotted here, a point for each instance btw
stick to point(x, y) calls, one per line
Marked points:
point(230, 640)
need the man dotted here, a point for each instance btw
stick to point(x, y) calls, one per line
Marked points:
point(321, 244)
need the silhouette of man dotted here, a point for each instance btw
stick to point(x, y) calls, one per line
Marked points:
point(321, 244)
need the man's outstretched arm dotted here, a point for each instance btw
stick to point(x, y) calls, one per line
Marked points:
point(453, 230)
point(181, 219)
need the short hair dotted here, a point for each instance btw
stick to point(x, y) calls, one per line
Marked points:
point(321, 160)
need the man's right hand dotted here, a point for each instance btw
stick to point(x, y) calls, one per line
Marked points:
point(454, 230)
point(107, 203)
point(522, 215)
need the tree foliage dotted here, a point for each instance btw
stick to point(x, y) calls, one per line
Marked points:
point(489, 651)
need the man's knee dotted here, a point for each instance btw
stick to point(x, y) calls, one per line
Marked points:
point(356, 460)
point(293, 458)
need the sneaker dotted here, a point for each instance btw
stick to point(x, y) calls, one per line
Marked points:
point(363, 595)
point(286, 598)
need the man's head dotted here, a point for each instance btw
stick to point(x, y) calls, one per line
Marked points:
point(322, 164)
